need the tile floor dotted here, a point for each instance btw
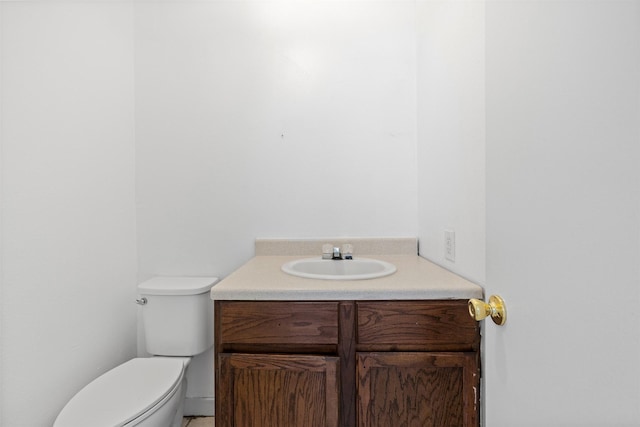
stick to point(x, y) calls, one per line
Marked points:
point(198, 422)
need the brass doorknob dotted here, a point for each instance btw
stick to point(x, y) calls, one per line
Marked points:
point(479, 309)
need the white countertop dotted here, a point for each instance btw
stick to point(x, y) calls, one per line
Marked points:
point(416, 278)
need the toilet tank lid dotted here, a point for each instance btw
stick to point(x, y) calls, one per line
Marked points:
point(175, 285)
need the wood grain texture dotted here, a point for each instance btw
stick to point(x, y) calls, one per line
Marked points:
point(279, 322)
point(279, 391)
point(416, 325)
point(370, 363)
point(347, 353)
point(417, 390)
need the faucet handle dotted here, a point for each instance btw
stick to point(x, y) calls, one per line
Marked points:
point(327, 251)
point(347, 251)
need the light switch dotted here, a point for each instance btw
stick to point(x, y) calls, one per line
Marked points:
point(450, 245)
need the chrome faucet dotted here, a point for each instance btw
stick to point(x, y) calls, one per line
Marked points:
point(327, 251)
point(333, 252)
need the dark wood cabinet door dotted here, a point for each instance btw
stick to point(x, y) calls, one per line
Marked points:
point(270, 390)
point(417, 389)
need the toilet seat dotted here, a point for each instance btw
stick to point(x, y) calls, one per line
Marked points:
point(124, 393)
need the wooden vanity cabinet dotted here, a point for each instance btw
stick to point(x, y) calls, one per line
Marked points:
point(346, 364)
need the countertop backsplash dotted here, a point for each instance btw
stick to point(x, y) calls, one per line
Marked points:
point(362, 246)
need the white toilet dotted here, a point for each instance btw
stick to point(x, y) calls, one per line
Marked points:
point(149, 392)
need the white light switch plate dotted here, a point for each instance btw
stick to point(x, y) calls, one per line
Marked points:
point(450, 245)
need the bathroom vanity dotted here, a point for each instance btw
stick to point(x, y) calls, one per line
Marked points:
point(396, 351)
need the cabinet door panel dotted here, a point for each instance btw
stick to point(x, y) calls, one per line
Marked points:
point(278, 391)
point(417, 389)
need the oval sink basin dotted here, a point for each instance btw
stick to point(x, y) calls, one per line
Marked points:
point(348, 269)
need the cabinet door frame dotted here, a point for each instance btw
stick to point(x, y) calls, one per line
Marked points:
point(231, 362)
point(467, 361)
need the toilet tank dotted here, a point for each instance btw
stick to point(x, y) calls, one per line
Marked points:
point(177, 315)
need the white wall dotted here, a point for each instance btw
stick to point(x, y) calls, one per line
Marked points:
point(274, 119)
point(68, 257)
point(1, 226)
point(451, 133)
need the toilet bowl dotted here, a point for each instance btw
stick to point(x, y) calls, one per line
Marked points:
point(141, 392)
point(150, 392)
